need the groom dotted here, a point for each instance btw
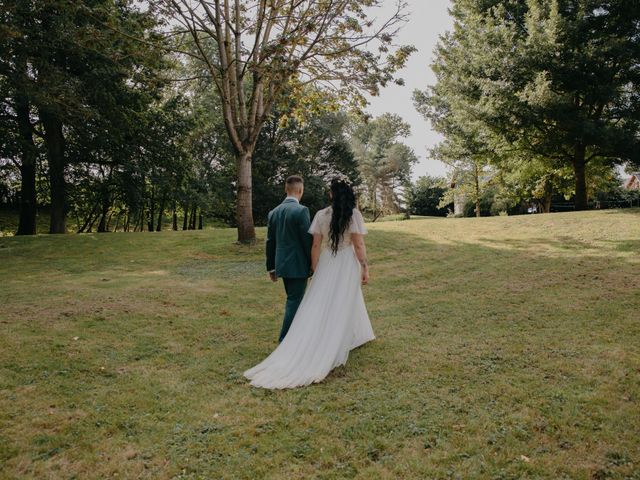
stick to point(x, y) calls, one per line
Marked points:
point(289, 248)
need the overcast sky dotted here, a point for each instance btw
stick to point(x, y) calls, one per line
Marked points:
point(428, 20)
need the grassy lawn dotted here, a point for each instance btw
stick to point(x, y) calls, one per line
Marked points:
point(508, 348)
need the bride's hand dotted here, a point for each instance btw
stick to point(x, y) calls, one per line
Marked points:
point(365, 276)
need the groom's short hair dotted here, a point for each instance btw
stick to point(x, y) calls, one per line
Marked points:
point(294, 182)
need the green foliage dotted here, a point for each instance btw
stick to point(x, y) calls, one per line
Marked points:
point(384, 162)
point(122, 123)
point(539, 81)
point(426, 195)
point(317, 149)
point(89, 89)
point(310, 142)
point(257, 53)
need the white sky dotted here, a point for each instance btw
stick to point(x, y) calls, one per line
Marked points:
point(428, 20)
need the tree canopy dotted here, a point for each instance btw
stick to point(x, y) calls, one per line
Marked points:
point(546, 81)
point(255, 50)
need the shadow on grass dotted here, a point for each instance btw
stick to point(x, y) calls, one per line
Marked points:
point(601, 246)
point(632, 211)
point(626, 245)
point(562, 243)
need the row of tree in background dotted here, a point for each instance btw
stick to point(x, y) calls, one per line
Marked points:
point(117, 118)
point(537, 98)
point(439, 196)
point(115, 113)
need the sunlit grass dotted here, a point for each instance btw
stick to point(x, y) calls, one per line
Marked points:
point(508, 347)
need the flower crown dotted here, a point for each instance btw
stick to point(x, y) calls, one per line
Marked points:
point(341, 177)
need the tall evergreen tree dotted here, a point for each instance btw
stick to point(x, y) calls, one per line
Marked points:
point(555, 79)
point(384, 162)
point(74, 69)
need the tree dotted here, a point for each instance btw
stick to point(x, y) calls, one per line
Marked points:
point(581, 100)
point(533, 180)
point(384, 161)
point(298, 137)
point(426, 195)
point(315, 147)
point(73, 79)
point(255, 48)
point(17, 105)
point(452, 107)
point(557, 80)
point(469, 179)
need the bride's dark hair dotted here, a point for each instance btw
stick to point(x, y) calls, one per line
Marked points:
point(343, 201)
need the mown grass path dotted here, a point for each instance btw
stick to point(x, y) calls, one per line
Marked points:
point(507, 348)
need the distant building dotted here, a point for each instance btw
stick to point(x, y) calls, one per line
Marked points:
point(459, 199)
point(633, 182)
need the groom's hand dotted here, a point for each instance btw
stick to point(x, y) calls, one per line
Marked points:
point(272, 276)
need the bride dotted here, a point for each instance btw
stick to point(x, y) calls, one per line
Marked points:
point(332, 318)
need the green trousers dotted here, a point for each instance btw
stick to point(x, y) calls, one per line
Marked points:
point(295, 288)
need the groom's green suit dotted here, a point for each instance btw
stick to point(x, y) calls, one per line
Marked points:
point(289, 253)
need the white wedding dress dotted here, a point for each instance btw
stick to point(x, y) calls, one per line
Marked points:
point(332, 318)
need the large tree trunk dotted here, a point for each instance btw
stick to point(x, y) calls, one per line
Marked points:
point(192, 218)
point(161, 212)
point(548, 195)
point(152, 205)
point(27, 222)
point(174, 223)
point(102, 226)
point(200, 221)
point(579, 173)
point(185, 208)
point(54, 140)
point(477, 188)
point(244, 208)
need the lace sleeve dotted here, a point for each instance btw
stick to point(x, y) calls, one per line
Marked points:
point(357, 223)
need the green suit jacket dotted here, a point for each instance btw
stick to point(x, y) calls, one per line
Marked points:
point(288, 240)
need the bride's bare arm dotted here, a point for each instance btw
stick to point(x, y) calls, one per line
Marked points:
point(315, 250)
point(361, 254)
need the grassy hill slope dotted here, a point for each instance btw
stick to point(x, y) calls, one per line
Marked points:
point(508, 347)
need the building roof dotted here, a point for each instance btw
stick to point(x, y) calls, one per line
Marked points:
point(633, 182)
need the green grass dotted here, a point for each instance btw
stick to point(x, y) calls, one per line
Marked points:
point(508, 348)
point(398, 218)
